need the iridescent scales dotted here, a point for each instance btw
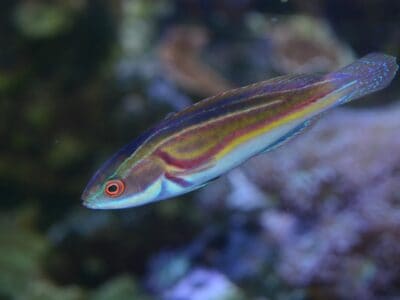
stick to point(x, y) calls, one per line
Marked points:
point(189, 148)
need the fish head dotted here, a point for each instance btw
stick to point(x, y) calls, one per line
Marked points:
point(119, 183)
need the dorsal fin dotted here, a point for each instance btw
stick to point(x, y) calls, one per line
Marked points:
point(169, 115)
point(279, 84)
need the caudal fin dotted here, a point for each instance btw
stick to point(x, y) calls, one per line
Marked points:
point(370, 73)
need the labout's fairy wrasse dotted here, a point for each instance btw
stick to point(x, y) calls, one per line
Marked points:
point(190, 148)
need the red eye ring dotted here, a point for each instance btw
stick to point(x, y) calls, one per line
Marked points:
point(114, 188)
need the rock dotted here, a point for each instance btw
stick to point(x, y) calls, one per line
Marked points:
point(204, 284)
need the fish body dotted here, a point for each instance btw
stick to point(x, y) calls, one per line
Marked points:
point(190, 148)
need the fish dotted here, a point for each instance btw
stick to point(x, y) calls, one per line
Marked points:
point(193, 147)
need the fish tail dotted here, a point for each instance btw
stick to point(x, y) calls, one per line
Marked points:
point(369, 74)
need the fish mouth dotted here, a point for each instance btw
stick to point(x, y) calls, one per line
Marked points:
point(89, 198)
point(87, 204)
point(90, 201)
point(85, 197)
point(94, 203)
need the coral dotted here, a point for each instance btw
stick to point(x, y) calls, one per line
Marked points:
point(180, 54)
point(305, 44)
point(337, 187)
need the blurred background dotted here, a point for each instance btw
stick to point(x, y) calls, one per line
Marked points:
point(316, 219)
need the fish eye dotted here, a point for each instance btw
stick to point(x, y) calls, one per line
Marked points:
point(114, 188)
